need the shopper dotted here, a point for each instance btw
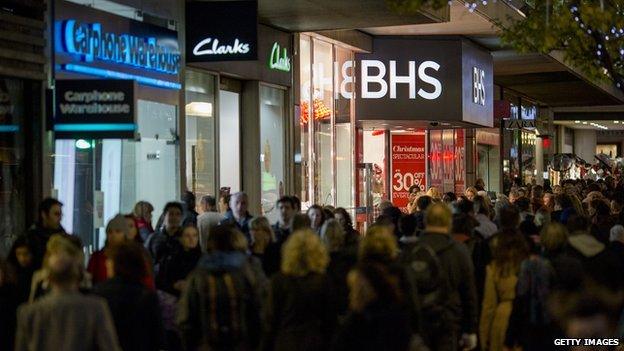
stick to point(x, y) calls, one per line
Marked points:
point(265, 246)
point(352, 237)
point(459, 330)
point(238, 215)
point(49, 223)
point(189, 215)
point(176, 265)
point(486, 227)
point(209, 219)
point(422, 203)
point(116, 234)
point(134, 307)
point(64, 316)
point(286, 210)
point(377, 320)
point(143, 213)
point(299, 314)
point(470, 193)
point(21, 264)
point(341, 260)
point(317, 217)
point(219, 309)
point(500, 290)
point(165, 241)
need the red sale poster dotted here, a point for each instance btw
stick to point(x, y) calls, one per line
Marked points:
point(448, 161)
point(435, 158)
point(407, 165)
point(460, 161)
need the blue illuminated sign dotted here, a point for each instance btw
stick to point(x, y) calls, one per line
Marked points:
point(95, 127)
point(106, 73)
point(91, 41)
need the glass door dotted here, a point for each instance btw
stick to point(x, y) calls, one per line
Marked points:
point(229, 134)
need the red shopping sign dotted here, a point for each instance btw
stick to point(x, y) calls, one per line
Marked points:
point(407, 165)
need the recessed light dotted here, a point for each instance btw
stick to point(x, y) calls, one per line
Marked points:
point(584, 122)
point(577, 121)
point(616, 122)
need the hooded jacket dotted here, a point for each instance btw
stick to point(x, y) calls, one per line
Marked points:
point(599, 266)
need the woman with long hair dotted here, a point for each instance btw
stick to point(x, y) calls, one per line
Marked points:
point(299, 314)
point(500, 289)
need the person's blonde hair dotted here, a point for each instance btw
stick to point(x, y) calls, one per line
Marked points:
point(471, 189)
point(554, 236)
point(332, 235)
point(304, 253)
point(378, 244)
point(239, 242)
point(70, 270)
point(434, 192)
point(262, 224)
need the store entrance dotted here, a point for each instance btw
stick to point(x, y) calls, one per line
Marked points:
point(403, 158)
point(230, 91)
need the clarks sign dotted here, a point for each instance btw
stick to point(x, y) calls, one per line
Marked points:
point(221, 31)
point(424, 80)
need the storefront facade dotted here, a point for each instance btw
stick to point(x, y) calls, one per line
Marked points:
point(238, 116)
point(104, 168)
point(373, 124)
point(23, 76)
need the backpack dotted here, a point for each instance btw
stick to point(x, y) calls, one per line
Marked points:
point(429, 276)
point(225, 301)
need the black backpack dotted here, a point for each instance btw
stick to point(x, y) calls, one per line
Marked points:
point(427, 273)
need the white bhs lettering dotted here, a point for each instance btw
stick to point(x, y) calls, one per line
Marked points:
point(394, 79)
point(216, 49)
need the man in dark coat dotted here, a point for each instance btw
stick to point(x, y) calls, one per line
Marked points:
point(165, 241)
point(457, 265)
point(48, 223)
point(238, 215)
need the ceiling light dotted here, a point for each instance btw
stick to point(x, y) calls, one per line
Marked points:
point(577, 121)
point(584, 122)
point(616, 122)
point(199, 109)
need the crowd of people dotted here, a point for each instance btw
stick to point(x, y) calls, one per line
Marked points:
point(448, 272)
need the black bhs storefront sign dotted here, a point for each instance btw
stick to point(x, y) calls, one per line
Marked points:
point(95, 109)
point(221, 31)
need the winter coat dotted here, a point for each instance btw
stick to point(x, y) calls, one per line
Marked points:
point(8, 308)
point(340, 264)
point(379, 327)
point(195, 309)
point(97, 267)
point(498, 299)
point(530, 325)
point(457, 264)
point(486, 227)
point(298, 314)
point(599, 266)
point(68, 321)
point(136, 314)
point(161, 244)
point(175, 267)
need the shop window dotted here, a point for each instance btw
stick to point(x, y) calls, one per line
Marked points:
point(96, 179)
point(322, 112)
point(272, 151)
point(12, 149)
point(200, 133)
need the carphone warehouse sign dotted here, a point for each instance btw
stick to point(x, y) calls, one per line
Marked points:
point(102, 108)
point(424, 79)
